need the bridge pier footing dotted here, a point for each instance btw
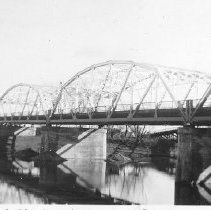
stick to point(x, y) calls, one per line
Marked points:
point(194, 153)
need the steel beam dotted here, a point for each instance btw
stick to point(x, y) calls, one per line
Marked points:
point(35, 102)
point(114, 104)
point(26, 99)
point(102, 89)
point(148, 120)
point(159, 104)
point(202, 101)
point(187, 94)
point(171, 95)
point(143, 97)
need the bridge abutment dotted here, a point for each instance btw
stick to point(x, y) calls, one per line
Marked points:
point(194, 153)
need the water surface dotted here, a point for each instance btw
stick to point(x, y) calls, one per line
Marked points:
point(84, 181)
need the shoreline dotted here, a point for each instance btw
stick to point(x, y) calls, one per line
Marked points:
point(140, 154)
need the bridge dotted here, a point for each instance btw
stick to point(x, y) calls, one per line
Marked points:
point(114, 92)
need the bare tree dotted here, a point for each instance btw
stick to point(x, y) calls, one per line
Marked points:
point(139, 133)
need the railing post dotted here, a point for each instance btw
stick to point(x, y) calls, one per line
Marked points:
point(156, 111)
point(60, 113)
point(48, 117)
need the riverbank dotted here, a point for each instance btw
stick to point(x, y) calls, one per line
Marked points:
point(140, 153)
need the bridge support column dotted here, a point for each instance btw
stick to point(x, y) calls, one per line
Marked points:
point(91, 144)
point(74, 142)
point(49, 139)
point(7, 141)
point(194, 153)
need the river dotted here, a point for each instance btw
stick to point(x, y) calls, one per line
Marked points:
point(95, 181)
point(82, 181)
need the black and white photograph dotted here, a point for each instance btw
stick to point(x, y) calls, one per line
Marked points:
point(105, 102)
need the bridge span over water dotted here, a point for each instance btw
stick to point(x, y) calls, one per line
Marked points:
point(114, 92)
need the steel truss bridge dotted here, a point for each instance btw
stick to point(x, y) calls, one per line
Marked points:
point(114, 92)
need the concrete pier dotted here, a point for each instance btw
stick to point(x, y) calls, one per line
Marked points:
point(194, 153)
point(7, 141)
point(49, 139)
point(53, 138)
point(91, 144)
point(85, 151)
point(74, 142)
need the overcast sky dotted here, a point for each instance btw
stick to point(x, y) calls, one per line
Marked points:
point(48, 41)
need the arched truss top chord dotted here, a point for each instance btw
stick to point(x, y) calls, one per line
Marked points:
point(27, 100)
point(126, 85)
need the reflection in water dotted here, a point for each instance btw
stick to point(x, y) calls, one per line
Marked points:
point(48, 175)
point(140, 184)
point(164, 164)
point(135, 183)
point(95, 181)
point(23, 167)
point(90, 173)
point(11, 194)
point(204, 184)
point(11, 189)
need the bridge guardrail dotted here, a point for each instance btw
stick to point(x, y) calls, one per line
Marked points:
point(119, 107)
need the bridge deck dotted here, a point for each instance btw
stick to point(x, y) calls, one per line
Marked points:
point(146, 117)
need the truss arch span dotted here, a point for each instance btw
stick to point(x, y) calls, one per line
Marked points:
point(27, 100)
point(127, 85)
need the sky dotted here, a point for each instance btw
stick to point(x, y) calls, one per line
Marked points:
point(48, 41)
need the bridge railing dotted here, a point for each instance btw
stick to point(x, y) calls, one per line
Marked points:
point(129, 107)
point(123, 107)
point(119, 107)
point(20, 114)
point(106, 109)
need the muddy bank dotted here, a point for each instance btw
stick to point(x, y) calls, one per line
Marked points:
point(140, 153)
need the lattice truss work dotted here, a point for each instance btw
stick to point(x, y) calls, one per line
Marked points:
point(124, 85)
point(109, 87)
point(27, 100)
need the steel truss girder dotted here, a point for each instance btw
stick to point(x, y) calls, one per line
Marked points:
point(27, 96)
point(104, 84)
point(202, 101)
point(171, 94)
point(30, 87)
point(35, 102)
point(192, 76)
point(76, 76)
point(187, 94)
point(168, 74)
point(143, 97)
point(114, 104)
